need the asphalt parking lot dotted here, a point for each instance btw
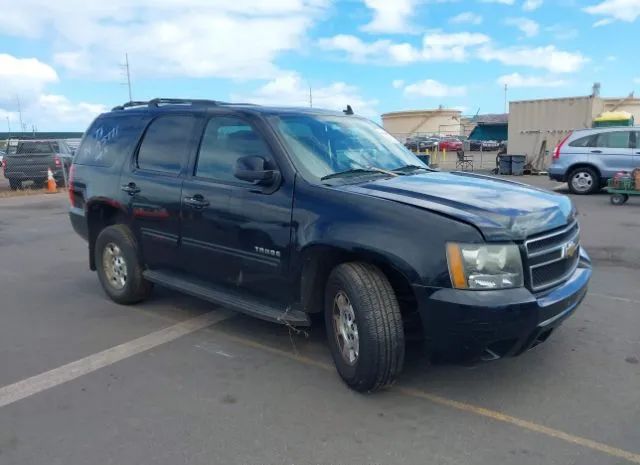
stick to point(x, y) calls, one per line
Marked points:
point(176, 380)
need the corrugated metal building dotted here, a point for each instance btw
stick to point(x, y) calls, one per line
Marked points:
point(536, 126)
point(403, 124)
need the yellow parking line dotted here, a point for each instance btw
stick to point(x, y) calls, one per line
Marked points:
point(462, 406)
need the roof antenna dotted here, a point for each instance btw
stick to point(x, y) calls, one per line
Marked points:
point(348, 110)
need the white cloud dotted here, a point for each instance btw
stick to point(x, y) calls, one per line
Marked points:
point(636, 80)
point(531, 5)
point(612, 58)
point(398, 83)
point(23, 83)
point(548, 57)
point(457, 47)
point(528, 27)
point(612, 10)
point(603, 22)
point(390, 16)
point(432, 88)
point(18, 75)
point(562, 32)
point(290, 89)
point(194, 38)
point(453, 47)
point(517, 80)
point(435, 47)
point(503, 2)
point(467, 17)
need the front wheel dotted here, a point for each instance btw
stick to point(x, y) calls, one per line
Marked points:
point(15, 184)
point(364, 326)
point(119, 265)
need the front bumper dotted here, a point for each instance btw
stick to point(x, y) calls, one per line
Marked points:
point(495, 324)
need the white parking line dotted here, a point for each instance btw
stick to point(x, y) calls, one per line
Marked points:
point(49, 379)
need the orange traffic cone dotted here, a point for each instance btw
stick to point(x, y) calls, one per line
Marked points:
point(52, 188)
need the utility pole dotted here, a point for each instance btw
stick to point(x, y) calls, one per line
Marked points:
point(9, 125)
point(22, 126)
point(506, 102)
point(310, 97)
point(128, 74)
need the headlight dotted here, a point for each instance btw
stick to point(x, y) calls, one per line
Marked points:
point(482, 266)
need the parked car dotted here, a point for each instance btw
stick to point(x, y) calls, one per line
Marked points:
point(587, 158)
point(421, 143)
point(284, 213)
point(484, 145)
point(450, 144)
point(31, 160)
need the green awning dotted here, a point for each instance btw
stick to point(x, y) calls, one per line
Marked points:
point(497, 132)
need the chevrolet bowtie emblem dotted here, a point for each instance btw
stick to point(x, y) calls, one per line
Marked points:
point(569, 249)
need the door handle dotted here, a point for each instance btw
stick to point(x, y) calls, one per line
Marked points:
point(197, 201)
point(130, 188)
point(596, 151)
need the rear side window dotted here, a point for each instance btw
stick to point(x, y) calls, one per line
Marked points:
point(589, 141)
point(165, 144)
point(614, 140)
point(110, 139)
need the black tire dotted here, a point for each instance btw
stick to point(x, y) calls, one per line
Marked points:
point(619, 199)
point(135, 288)
point(380, 333)
point(590, 177)
point(15, 184)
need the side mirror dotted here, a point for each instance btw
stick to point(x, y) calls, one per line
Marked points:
point(252, 169)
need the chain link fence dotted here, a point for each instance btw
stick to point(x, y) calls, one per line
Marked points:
point(31, 163)
point(477, 155)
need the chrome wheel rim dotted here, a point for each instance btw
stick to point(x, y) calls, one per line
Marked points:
point(582, 181)
point(345, 328)
point(114, 266)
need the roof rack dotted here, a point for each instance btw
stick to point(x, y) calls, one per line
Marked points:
point(157, 102)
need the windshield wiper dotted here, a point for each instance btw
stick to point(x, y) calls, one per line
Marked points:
point(402, 169)
point(371, 169)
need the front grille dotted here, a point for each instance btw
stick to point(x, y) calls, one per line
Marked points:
point(553, 257)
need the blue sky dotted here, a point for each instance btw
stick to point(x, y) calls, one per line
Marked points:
point(61, 60)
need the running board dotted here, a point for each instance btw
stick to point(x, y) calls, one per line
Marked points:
point(232, 298)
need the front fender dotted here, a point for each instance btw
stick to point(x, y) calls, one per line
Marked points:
point(408, 238)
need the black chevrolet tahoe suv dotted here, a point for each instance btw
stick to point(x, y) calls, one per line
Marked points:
point(282, 213)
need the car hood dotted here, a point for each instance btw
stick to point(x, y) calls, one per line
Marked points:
point(500, 209)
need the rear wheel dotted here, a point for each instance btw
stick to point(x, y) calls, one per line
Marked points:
point(15, 184)
point(119, 265)
point(364, 326)
point(584, 180)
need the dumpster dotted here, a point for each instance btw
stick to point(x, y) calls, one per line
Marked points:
point(517, 164)
point(504, 163)
point(426, 159)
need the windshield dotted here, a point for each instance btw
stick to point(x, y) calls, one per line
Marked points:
point(325, 145)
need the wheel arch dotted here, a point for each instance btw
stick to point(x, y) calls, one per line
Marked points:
point(319, 260)
point(100, 214)
point(583, 164)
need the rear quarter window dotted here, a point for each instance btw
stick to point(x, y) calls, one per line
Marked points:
point(110, 139)
point(588, 141)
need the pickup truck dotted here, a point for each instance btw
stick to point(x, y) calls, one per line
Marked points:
point(284, 213)
point(31, 160)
